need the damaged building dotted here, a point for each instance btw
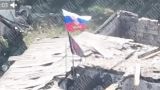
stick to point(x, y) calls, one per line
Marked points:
point(119, 48)
point(128, 25)
point(121, 54)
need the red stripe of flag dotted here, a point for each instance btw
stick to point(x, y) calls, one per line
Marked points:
point(71, 27)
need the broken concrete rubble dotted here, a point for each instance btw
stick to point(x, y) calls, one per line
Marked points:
point(120, 49)
point(45, 59)
point(96, 78)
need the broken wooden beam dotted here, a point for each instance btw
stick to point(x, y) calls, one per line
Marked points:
point(152, 52)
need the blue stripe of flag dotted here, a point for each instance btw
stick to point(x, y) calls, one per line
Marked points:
point(68, 19)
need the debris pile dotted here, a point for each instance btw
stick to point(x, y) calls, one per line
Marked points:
point(111, 59)
point(120, 55)
point(86, 78)
point(108, 61)
point(96, 78)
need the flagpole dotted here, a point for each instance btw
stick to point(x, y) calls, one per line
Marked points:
point(73, 60)
point(66, 54)
point(66, 57)
point(73, 73)
point(73, 70)
point(72, 53)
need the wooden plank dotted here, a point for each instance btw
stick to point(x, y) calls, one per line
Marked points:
point(148, 53)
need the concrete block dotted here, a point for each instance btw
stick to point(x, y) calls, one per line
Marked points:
point(142, 25)
point(153, 28)
point(148, 26)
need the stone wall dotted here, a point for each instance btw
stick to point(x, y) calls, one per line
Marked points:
point(128, 25)
point(146, 31)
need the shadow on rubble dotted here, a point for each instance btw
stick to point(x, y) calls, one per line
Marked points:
point(97, 78)
point(88, 78)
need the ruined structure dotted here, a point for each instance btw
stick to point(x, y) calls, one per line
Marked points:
point(126, 24)
point(108, 61)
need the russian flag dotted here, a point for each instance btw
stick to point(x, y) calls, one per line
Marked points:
point(74, 21)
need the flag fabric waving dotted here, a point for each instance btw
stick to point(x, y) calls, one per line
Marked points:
point(75, 48)
point(74, 21)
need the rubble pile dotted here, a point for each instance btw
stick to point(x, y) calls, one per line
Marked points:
point(108, 62)
point(87, 78)
point(119, 55)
